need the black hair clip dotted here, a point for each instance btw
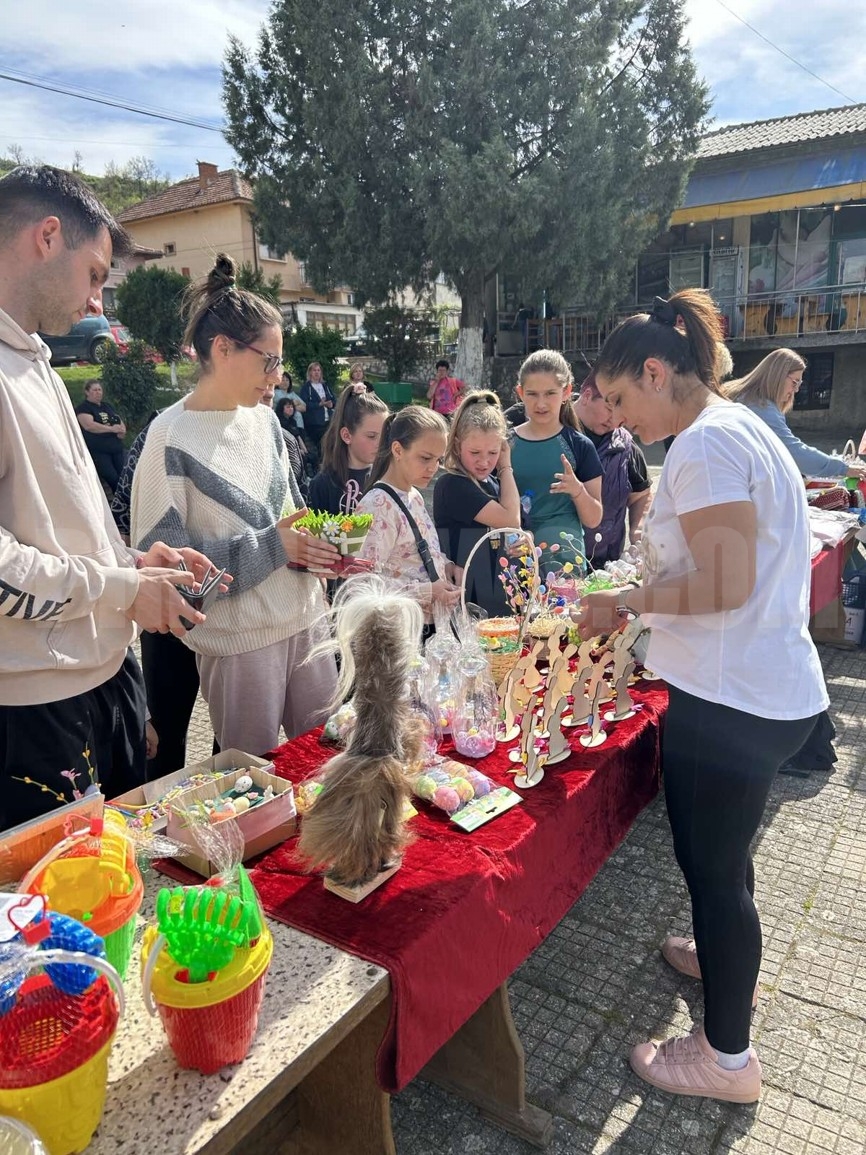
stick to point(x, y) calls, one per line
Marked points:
point(664, 312)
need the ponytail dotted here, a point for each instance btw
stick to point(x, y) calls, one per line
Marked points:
point(349, 413)
point(406, 427)
point(683, 331)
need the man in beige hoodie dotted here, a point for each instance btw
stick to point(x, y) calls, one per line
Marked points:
point(72, 709)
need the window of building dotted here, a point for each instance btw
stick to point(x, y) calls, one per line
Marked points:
point(817, 385)
point(266, 253)
point(302, 273)
point(169, 248)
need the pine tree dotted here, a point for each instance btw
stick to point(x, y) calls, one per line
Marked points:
point(392, 139)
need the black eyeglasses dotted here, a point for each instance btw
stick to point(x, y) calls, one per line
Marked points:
point(272, 360)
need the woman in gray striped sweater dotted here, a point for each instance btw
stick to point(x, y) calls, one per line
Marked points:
point(214, 469)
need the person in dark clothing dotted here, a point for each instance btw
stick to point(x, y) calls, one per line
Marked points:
point(625, 486)
point(349, 449)
point(104, 432)
point(170, 673)
point(319, 399)
point(295, 447)
point(468, 501)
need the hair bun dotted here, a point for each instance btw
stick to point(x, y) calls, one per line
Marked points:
point(222, 275)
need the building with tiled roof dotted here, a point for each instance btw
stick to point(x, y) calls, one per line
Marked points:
point(773, 223)
point(193, 220)
point(803, 128)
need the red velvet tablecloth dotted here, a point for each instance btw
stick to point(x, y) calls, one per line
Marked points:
point(827, 567)
point(465, 910)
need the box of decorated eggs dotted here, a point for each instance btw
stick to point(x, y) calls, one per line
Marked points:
point(262, 804)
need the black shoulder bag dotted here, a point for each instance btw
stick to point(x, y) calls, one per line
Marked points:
point(420, 540)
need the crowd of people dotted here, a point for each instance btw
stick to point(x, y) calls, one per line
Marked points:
point(217, 482)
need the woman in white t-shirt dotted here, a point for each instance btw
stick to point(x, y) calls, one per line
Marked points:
point(726, 592)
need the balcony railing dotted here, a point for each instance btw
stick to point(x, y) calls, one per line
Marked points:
point(757, 316)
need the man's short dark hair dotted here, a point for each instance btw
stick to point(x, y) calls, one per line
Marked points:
point(29, 193)
point(443, 364)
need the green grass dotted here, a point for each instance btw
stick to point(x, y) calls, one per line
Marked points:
point(74, 377)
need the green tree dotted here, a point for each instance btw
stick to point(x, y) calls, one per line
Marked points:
point(149, 304)
point(475, 137)
point(131, 381)
point(401, 337)
point(255, 280)
point(304, 344)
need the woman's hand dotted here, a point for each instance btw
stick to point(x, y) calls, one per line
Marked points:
point(445, 593)
point(302, 548)
point(857, 470)
point(567, 481)
point(597, 613)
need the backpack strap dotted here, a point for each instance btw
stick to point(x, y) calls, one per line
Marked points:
point(420, 540)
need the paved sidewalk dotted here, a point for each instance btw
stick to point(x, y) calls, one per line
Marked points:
point(598, 984)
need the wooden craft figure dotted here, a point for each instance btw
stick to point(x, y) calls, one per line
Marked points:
point(596, 734)
point(546, 710)
point(533, 769)
point(527, 738)
point(356, 827)
point(581, 706)
point(560, 672)
point(624, 705)
point(598, 678)
point(530, 674)
point(510, 696)
point(558, 748)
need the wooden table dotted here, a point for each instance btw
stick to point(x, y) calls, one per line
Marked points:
point(308, 1086)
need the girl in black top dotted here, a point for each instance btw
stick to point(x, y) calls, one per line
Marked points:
point(349, 448)
point(468, 500)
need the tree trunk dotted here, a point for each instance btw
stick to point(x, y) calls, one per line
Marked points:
point(470, 347)
point(173, 367)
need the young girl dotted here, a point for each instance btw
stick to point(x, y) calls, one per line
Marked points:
point(214, 469)
point(468, 500)
point(349, 449)
point(556, 467)
point(411, 450)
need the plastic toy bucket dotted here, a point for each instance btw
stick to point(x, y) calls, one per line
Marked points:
point(212, 1024)
point(104, 890)
point(54, 1061)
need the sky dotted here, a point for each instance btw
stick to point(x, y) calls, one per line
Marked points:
point(167, 56)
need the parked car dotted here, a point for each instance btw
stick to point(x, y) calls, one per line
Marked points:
point(121, 336)
point(358, 344)
point(83, 342)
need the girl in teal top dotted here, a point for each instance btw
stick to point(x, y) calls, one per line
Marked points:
point(556, 467)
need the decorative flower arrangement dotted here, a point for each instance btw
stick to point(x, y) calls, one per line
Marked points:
point(345, 530)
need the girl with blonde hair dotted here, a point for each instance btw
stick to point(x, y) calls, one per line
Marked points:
point(477, 493)
point(769, 392)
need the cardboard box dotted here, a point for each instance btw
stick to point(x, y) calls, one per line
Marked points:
point(21, 847)
point(263, 827)
point(152, 792)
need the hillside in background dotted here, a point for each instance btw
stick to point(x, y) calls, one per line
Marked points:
point(118, 188)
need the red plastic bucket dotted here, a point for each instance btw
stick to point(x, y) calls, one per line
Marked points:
point(208, 1038)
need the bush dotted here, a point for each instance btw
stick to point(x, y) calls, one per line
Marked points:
point(130, 382)
point(149, 304)
point(304, 344)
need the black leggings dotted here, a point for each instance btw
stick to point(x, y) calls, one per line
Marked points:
point(718, 766)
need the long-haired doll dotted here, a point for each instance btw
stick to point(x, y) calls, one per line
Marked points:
point(356, 827)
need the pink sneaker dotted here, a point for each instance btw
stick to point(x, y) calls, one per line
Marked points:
point(688, 1066)
point(682, 955)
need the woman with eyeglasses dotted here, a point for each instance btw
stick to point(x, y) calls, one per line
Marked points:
point(319, 399)
point(214, 469)
point(769, 392)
